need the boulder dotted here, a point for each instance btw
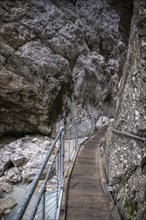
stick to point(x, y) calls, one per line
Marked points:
point(18, 159)
point(5, 162)
point(102, 120)
point(35, 140)
point(6, 205)
point(13, 175)
point(7, 187)
point(28, 175)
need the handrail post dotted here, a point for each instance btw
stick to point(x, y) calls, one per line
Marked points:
point(92, 124)
point(62, 149)
point(44, 205)
point(102, 119)
point(69, 145)
point(76, 132)
point(74, 136)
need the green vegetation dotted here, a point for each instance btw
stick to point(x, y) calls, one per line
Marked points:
point(131, 208)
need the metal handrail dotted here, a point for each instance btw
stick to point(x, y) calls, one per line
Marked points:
point(128, 135)
point(68, 138)
point(83, 118)
point(24, 203)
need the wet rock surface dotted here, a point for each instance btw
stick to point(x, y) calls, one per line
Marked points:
point(58, 59)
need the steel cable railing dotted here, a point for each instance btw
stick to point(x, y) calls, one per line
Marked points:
point(48, 196)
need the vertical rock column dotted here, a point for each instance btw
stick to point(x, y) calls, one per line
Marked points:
point(127, 156)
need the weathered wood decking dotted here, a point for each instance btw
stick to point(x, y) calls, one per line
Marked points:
point(87, 195)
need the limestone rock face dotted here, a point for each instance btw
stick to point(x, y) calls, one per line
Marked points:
point(58, 58)
point(127, 156)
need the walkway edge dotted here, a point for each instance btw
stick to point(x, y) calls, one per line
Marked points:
point(67, 177)
point(114, 211)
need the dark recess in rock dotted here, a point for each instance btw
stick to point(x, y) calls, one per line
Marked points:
point(124, 9)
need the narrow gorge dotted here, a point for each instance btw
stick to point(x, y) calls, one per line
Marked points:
point(64, 59)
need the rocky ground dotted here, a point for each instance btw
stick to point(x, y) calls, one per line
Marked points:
point(19, 162)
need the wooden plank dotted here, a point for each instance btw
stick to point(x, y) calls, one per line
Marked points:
point(84, 215)
point(87, 196)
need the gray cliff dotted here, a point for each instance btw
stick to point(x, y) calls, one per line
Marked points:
point(59, 59)
point(126, 160)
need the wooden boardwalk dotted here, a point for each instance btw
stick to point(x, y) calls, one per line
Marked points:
point(87, 194)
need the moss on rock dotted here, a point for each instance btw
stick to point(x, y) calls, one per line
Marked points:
point(131, 208)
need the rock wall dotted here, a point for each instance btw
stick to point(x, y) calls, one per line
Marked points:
point(127, 156)
point(59, 59)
